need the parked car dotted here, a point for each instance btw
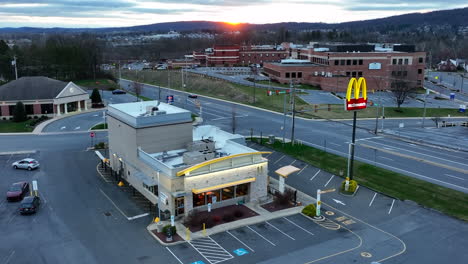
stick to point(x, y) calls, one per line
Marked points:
point(30, 205)
point(193, 96)
point(117, 91)
point(17, 191)
point(28, 164)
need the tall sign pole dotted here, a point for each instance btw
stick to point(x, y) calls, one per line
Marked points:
point(354, 104)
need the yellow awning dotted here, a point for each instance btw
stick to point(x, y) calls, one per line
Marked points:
point(220, 186)
point(286, 170)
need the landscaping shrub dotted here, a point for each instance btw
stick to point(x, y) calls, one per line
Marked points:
point(38, 120)
point(216, 218)
point(95, 96)
point(100, 145)
point(169, 230)
point(228, 217)
point(238, 213)
point(19, 113)
point(284, 198)
point(352, 186)
point(310, 210)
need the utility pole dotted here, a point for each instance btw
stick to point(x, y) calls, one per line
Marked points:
point(284, 118)
point(293, 110)
point(424, 113)
point(120, 72)
point(14, 64)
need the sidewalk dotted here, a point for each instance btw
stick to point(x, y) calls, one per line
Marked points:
point(38, 129)
point(263, 215)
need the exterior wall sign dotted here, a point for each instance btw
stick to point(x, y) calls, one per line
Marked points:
point(357, 102)
point(375, 66)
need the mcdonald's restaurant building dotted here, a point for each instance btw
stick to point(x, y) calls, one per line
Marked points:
point(155, 148)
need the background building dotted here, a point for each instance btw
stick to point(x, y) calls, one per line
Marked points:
point(330, 66)
point(42, 96)
point(155, 148)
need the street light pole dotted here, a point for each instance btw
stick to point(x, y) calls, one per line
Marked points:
point(293, 111)
point(351, 148)
point(159, 198)
point(424, 112)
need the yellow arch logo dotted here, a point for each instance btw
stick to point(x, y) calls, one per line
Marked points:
point(356, 86)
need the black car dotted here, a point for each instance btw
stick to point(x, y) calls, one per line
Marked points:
point(117, 91)
point(193, 96)
point(30, 204)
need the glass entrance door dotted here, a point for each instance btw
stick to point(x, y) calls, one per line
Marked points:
point(179, 203)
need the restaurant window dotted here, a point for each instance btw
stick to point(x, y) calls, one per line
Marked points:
point(198, 199)
point(29, 108)
point(242, 190)
point(227, 193)
point(209, 196)
point(47, 109)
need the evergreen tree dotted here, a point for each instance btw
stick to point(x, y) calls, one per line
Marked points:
point(95, 96)
point(19, 113)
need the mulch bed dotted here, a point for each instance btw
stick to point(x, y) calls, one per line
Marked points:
point(163, 236)
point(272, 207)
point(217, 216)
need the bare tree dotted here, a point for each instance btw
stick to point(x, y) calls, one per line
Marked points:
point(401, 86)
point(137, 87)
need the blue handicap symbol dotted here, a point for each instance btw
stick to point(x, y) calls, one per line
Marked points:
point(198, 262)
point(240, 251)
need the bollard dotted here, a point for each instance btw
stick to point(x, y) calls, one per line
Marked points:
point(204, 230)
point(346, 187)
point(187, 234)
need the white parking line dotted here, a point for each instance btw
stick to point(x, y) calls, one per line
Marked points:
point(7, 260)
point(329, 180)
point(454, 177)
point(375, 194)
point(292, 162)
point(302, 169)
point(386, 158)
point(227, 231)
point(137, 216)
point(298, 226)
point(280, 231)
point(261, 236)
point(174, 255)
point(112, 202)
point(269, 154)
point(313, 177)
point(331, 143)
point(389, 211)
point(279, 159)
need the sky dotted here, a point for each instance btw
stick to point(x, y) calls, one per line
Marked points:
point(121, 13)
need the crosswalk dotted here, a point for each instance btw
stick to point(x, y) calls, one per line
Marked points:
point(210, 250)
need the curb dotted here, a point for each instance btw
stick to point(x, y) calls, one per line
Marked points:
point(18, 152)
point(38, 129)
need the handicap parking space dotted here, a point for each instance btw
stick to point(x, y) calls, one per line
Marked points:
point(186, 254)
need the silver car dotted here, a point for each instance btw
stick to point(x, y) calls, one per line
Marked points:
point(28, 164)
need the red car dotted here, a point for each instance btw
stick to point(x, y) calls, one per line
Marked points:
point(17, 191)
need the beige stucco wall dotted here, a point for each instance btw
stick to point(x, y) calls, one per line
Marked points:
point(164, 138)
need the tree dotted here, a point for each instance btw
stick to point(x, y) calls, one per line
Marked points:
point(19, 113)
point(95, 96)
point(401, 89)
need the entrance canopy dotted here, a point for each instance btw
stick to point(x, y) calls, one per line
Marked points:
point(286, 170)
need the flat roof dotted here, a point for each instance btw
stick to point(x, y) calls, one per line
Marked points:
point(140, 114)
point(225, 143)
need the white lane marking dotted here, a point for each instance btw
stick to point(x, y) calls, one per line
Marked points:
point(292, 162)
point(269, 154)
point(261, 236)
point(221, 118)
point(96, 115)
point(307, 231)
point(174, 255)
point(315, 174)
point(338, 145)
point(338, 202)
point(302, 169)
point(386, 166)
point(62, 128)
point(454, 177)
point(112, 202)
point(329, 180)
point(7, 260)
point(279, 159)
point(367, 138)
point(389, 211)
point(375, 194)
point(227, 231)
point(280, 230)
point(137, 216)
point(76, 128)
point(387, 158)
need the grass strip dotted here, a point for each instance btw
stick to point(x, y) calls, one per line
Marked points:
point(99, 126)
point(445, 200)
point(16, 127)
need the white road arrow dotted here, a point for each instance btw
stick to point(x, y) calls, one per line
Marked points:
point(76, 128)
point(62, 128)
point(338, 202)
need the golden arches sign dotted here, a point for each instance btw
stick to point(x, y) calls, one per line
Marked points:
point(355, 86)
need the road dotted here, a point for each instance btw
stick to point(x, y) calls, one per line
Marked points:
point(334, 137)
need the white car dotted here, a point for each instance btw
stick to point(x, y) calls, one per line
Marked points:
point(28, 164)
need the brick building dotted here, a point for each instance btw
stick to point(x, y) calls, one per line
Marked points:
point(330, 66)
point(231, 55)
point(42, 96)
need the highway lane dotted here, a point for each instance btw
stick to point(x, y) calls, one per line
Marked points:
point(332, 136)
